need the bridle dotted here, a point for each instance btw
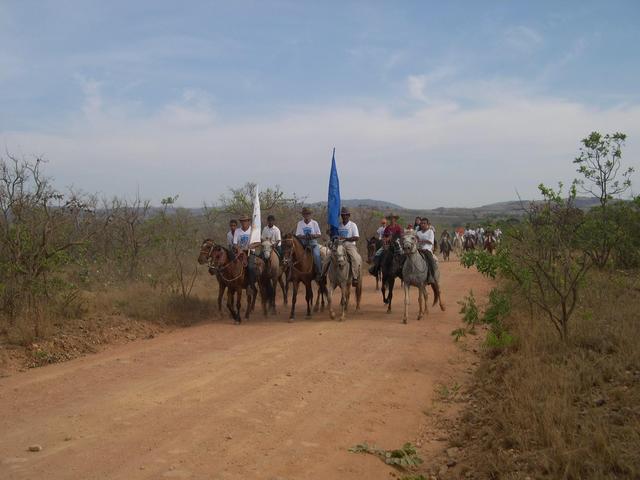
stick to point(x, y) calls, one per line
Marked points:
point(220, 269)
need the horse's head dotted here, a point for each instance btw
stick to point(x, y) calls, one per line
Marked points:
point(409, 244)
point(267, 247)
point(219, 256)
point(205, 251)
point(338, 253)
point(287, 250)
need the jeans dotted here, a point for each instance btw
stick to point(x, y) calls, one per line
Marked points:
point(315, 249)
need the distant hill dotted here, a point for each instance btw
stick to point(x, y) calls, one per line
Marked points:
point(366, 203)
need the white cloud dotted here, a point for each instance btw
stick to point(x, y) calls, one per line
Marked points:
point(442, 153)
point(523, 39)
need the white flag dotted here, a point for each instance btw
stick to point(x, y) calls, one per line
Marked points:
point(256, 227)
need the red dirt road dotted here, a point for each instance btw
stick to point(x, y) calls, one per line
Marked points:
point(264, 400)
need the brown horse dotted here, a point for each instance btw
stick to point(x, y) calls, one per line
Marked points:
point(204, 257)
point(299, 262)
point(234, 274)
point(469, 243)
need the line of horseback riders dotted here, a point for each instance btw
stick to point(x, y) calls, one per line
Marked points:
point(297, 257)
point(473, 238)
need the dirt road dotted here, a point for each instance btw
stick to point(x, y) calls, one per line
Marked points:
point(264, 400)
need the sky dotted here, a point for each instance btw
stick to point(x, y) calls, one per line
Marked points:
point(427, 103)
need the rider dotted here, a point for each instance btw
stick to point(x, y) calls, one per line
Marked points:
point(308, 231)
point(272, 233)
point(426, 238)
point(242, 243)
point(233, 224)
point(392, 232)
point(348, 232)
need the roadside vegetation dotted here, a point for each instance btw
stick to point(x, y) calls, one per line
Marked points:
point(78, 270)
point(558, 392)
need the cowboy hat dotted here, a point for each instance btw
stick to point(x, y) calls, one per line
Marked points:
point(305, 211)
point(245, 217)
point(393, 215)
point(345, 211)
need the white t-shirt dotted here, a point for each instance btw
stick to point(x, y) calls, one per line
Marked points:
point(347, 231)
point(230, 238)
point(423, 237)
point(470, 233)
point(380, 232)
point(242, 238)
point(272, 234)
point(311, 228)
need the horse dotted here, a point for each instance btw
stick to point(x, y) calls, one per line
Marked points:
point(299, 261)
point(391, 267)
point(445, 248)
point(271, 277)
point(339, 275)
point(373, 244)
point(469, 243)
point(203, 258)
point(233, 272)
point(457, 244)
point(490, 243)
point(417, 272)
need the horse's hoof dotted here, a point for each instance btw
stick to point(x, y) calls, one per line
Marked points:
point(332, 315)
point(404, 320)
point(291, 319)
point(236, 322)
point(388, 311)
point(419, 317)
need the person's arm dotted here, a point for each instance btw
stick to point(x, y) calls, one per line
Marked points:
point(355, 235)
point(315, 230)
point(277, 236)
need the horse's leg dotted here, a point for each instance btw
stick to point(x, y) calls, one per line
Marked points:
point(264, 296)
point(230, 294)
point(274, 289)
point(346, 293)
point(316, 307)
point(331, 290)
point(406, 302)
point(308, 297)
point(420, 301)
point(390, 294)
point(294, 297)
point(358, 294)
point(221, 289)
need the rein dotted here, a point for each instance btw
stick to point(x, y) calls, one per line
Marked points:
point(294, 263)
point(224, 267)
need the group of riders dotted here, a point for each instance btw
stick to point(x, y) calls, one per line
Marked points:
point(385, 250)
point(307, 231)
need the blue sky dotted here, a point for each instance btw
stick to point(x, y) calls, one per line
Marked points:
point(427, 103)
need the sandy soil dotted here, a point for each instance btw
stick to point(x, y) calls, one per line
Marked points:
point(264, 400)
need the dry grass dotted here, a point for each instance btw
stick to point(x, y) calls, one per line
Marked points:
point(552, 410)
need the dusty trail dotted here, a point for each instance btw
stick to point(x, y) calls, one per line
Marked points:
point(264, 400)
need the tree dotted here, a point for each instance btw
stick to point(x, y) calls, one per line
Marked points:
point(600, 164)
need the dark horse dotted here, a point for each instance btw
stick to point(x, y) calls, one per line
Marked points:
point(391, 267)
point(373, 244)
point(298, 260)
point(490, 243)
point(232, 271)
point(445, 248)
point(469, 243)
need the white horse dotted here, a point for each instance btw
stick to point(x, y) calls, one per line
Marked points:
point(457, 244)
point(339, 275)
point(415, 272)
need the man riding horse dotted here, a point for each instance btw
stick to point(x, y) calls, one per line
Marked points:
point(348, 233)
point(308, 232)
point(426, 239)
point(391, 233)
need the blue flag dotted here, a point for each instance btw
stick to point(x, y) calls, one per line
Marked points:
point(333, 201)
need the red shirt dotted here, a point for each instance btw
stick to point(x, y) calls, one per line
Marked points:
point(393, 231)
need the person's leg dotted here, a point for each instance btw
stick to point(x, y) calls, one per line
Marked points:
point(251, 268)
point(316, 257)
point(356, 260)
point(375, 264)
